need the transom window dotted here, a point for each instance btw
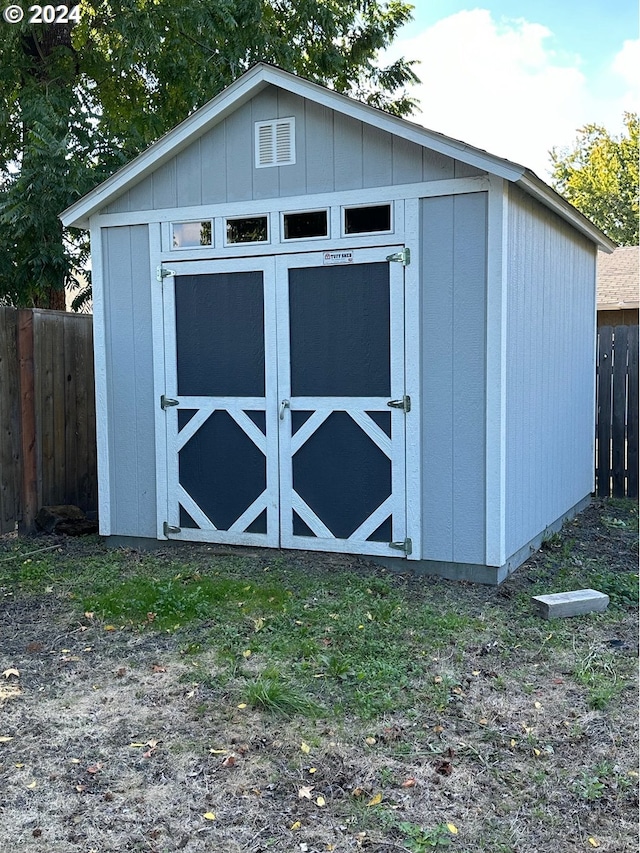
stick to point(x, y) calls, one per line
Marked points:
point(186, 235)
point(248, 229)
point(363, 220)
point(298, 226)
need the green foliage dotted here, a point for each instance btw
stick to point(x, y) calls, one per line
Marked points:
point(599, 176)
point(420, 840)
point(77, 102)
point(270, 692)
point(169, 603)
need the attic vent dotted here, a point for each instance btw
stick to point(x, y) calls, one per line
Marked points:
point(275, 143)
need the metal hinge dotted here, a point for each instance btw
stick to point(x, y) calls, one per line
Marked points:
point(163, 272)
point(403, 257)
point(404, 404)
point(168, 529)
point(406, 545)
point(167, 402)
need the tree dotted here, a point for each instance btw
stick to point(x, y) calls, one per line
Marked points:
point(79, 99)
point(599, 176)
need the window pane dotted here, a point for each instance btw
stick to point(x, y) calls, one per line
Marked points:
point(189, 234)
point(248, 230)
point(358, 220)
point(300, 225)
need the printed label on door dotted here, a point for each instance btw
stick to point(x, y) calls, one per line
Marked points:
point(333, 258)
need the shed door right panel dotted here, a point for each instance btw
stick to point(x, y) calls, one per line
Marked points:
point(341, 361)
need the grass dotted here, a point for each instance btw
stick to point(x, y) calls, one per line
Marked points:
point(454, 703)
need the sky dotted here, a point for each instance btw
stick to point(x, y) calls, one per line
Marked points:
point(520, 77)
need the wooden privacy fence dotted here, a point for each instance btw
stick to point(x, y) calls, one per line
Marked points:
point(617, 412)
point(47, 414)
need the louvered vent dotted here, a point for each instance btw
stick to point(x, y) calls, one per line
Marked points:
point(275, 143)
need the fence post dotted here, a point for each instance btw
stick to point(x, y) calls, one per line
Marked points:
point(29, 448)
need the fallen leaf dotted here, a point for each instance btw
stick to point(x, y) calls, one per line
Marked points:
point(357, 792)
point(209, 816)
point(258, 624)
point(89, 614)
point(95, 768)
point(246, 653)
point(409, 783)
point(437, 679)
point(321, 802)
point(483, 721)
point(370, 741)
point(305, 748)
point(157, 668)
point(9, 672)
point(304, 793)
point(374, 801)
point(32, 785)
point(5, 739)
point(229, 761)
point(218, 751)
point(453, 829)
point(81, 788)
point(295, 825)
point(537, 705)
point(242, 706)
point(19, 766)
point(513, 742)
point(438, 729)
point(151, 617)
point(594, 842)
point(537, 751)
point(110, 628)
point(137, 745)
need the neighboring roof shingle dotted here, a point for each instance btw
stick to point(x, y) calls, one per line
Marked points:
point(619, 278)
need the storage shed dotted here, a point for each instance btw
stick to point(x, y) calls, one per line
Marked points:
point(318, 326)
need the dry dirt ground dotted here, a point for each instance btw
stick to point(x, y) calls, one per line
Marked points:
point(112, 740)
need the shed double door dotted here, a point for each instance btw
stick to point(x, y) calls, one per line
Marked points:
point(279, 372)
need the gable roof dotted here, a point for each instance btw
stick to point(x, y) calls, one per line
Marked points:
point(262, 75)
point(619, 279)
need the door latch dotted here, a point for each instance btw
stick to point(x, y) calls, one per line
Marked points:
point(404, 404)
point(167, 402)
point(285, 404)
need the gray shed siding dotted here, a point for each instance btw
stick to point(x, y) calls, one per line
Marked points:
point(130, 401)
point(333, 153)
point(550, 369)
point(453, 260)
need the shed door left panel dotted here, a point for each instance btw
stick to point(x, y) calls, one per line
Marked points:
point(221, 443)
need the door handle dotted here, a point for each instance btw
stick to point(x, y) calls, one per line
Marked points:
point(285, 404)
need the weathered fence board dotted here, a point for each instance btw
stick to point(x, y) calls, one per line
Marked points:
point(52, 385)
point(617, 412)
point(10, 474)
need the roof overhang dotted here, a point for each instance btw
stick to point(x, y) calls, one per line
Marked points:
point(262, 75)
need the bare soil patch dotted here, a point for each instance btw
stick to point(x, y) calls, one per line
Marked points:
point(519, 734)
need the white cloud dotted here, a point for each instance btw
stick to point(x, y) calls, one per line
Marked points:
point(501, 86)
point(626, 64)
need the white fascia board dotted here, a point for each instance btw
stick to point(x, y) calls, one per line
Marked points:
point(242, 90)
point(537, 188)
